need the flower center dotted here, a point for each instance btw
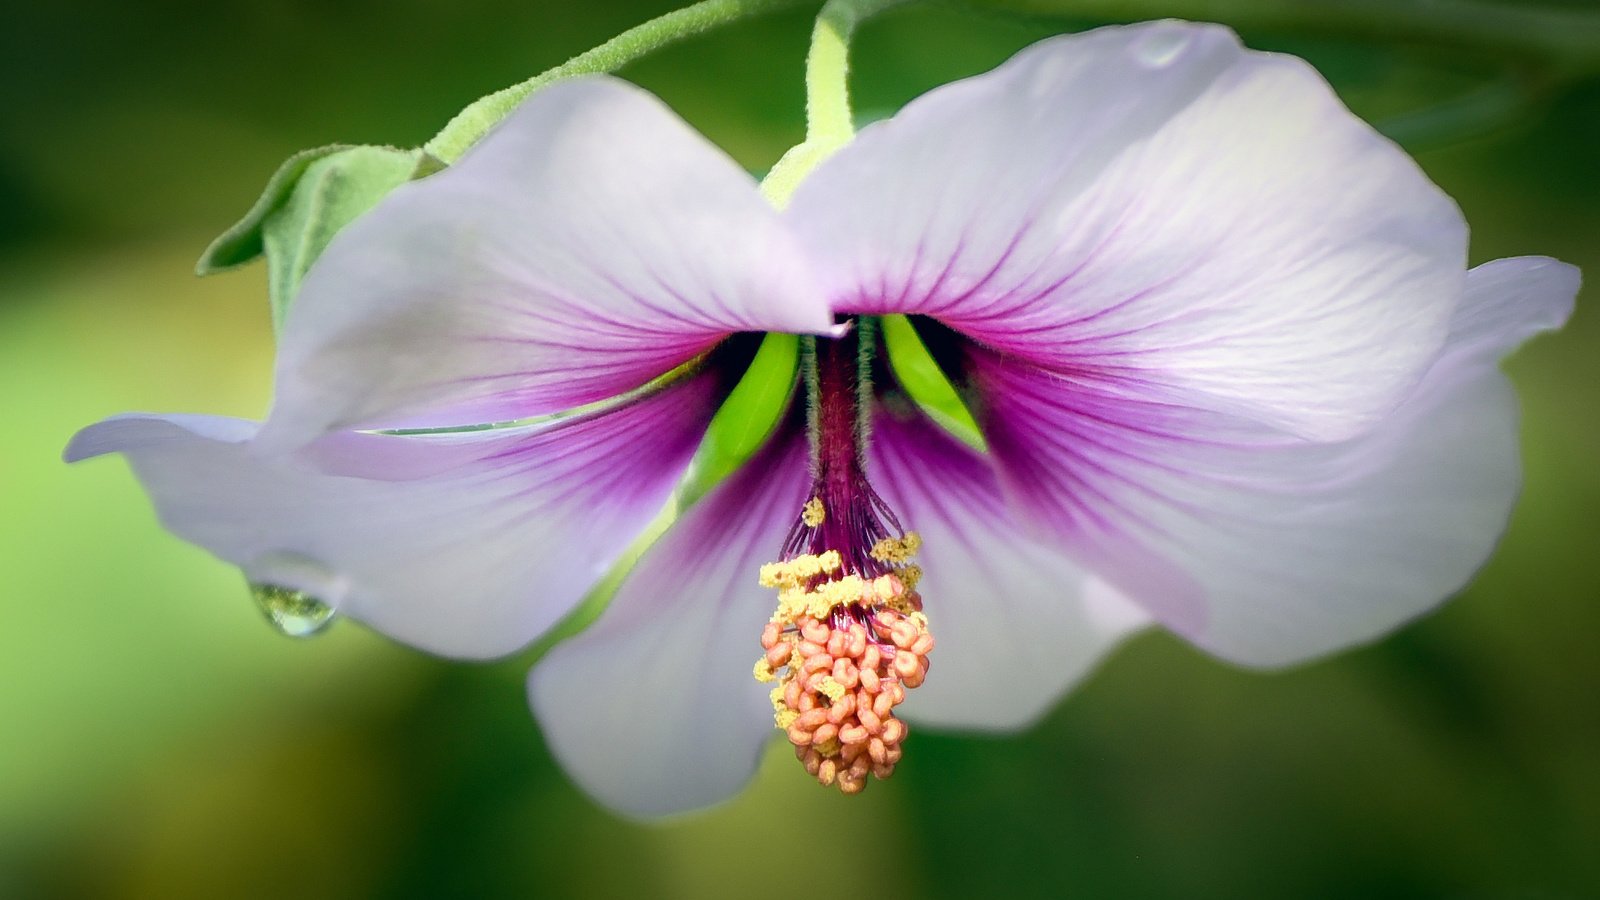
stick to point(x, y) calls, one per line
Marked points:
point(849, 637)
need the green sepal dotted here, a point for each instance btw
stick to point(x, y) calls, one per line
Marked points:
point(242, 242)
point(328, 195)
point(313, 194)
point(747, 418)
point(926, 384)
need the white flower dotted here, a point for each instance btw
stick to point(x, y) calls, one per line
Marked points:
point(1219, 335)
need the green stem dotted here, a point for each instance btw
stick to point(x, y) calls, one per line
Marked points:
point(1566, 41)
point(475, 121)
point(830, 124)
point(828, 115)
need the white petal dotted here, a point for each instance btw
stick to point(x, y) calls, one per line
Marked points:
point(1267, 549)
point(1509, 301)
point(1153, 205)
point(653, 710)
point(465, 545)
point(1016, 622)
point(590, 243)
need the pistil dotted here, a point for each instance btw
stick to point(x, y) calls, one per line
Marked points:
point(849, 637)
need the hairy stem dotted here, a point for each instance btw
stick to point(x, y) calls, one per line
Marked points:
point(475, 121)
point(830, 123)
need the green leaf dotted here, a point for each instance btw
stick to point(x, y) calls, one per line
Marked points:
point(926, 384)
point(747, 418)
point(329, 194)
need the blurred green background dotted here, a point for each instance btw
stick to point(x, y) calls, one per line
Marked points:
point(158, 740)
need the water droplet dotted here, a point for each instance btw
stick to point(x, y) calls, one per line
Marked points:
point(294, 613)
point(1159, 48)
point(298, 594)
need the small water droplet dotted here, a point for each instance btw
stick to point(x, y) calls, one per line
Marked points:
point(298, 594)
point(294, 613)
point(1159, 48)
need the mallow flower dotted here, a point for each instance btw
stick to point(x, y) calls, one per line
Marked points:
point(1232, 375)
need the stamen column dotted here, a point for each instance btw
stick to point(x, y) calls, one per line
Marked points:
point(849, 637)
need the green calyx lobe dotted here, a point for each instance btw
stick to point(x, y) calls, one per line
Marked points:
point(761, 397)
point(747, 418)
point(922, 379)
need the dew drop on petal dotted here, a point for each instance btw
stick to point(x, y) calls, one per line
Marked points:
point(297, 594)
point(1159, 48)
point(294, 613)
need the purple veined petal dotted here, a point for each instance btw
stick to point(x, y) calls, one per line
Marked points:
point(592, 242)
point(1158, 207)
point(1264, 548)
point(464, 544)
point(653, 710)
point(1017, 622)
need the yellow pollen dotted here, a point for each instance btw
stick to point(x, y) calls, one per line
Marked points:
point(813, 514)
point(763, 670)
point(774, 575)
point(790, 574)
point(831, 594)
point(833, 689)
point(900, 605)
point(910, 574)
point(897, 551)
